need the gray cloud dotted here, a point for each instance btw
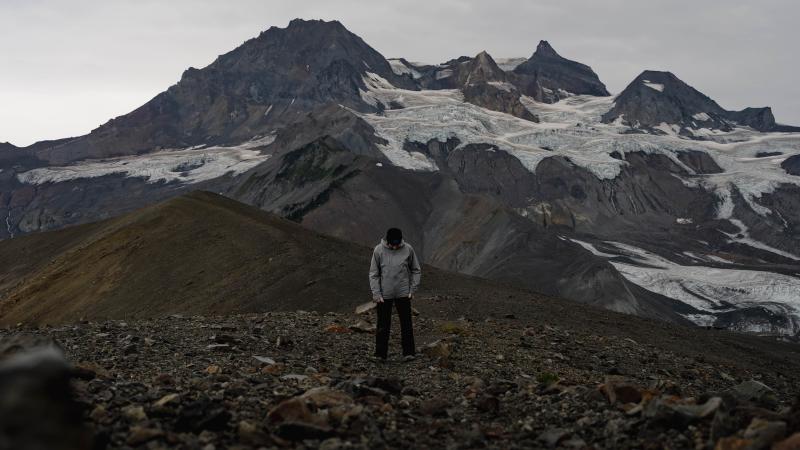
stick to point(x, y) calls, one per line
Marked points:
point(70, 66)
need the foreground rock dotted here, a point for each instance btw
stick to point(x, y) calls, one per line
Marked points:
point(304, 380)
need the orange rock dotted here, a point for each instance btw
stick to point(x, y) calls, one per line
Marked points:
point(334, 328)
point(273, 369)
point(213, 369)
point(790, 443)
point(733, 443)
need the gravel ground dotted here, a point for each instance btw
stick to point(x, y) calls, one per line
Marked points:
point(306, 379)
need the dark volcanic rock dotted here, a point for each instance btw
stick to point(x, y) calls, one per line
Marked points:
point(792, 165)
point(37, 407)
point(547, 76)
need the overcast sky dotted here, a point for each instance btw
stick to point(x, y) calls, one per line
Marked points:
point(67, 66)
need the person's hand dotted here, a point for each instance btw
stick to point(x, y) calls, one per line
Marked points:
point(378, 299)
point(410, 296)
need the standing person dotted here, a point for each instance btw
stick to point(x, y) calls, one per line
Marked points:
point(394, 276)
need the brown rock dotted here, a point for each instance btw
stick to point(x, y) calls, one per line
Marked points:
point(437, 349)
point(134, 413)
point(249, 433)
point(293, 409)
point(274, 369)
point(764, 432)
point(325, 397)
point(434, 407)
point(619, 391)
point(140, 435)
point(790, 443)
point(334, 328)
point(488, 403)
point(166, 399)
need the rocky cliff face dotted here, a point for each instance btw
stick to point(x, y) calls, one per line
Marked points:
point(547, 76)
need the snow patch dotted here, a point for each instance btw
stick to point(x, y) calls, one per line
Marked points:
point(446, 73)
point(188, 165)
point(708, 289)
point(657, 86)
point(743, 237)
point(400, 68)
point(701, 116)
point(509, 64)
point(9, 228)
point(502, 85)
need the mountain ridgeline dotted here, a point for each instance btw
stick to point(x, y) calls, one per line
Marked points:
point(526, 172)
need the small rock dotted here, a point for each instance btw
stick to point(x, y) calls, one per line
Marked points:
point(553, 436)
point(437, 349)
point(273, 369)
point(294, 377)
point(98, 413)
point(140, 435)
point(213, 369)
point(134, 413)
point(763, 433)
point(325, 397)
point(219, 347)
point(130, 349)
point(333, 443)
point(488, 404)
point(498, 387)
point(790, 443)
point(166, 399)
point(249, 433)
point(334, 328)
point(675, 412)
point(363, 327)
point(292, 409)
point(618, 391)
point(264, 360)
point(753, 391)
point(434, 407)
point(202, 415)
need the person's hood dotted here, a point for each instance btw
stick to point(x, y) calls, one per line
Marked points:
point(386, 244)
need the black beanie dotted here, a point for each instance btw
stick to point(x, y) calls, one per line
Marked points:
point(394, 236)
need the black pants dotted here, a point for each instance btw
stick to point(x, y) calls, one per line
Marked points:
point(385, 321)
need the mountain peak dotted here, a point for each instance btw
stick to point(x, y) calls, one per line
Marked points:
point(655, 97)
point(544, 49)
point(481, 68)
point(548, 76)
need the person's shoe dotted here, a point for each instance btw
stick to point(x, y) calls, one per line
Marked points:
point(408, 358)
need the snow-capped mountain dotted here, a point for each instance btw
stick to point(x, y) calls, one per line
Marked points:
point(656, 202)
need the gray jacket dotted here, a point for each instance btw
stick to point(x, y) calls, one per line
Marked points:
point(394, 273)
